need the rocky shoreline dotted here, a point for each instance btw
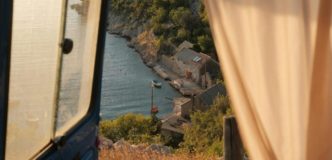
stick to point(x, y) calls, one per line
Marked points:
point(143, 41)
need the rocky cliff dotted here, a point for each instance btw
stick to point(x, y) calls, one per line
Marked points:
point(137, 32)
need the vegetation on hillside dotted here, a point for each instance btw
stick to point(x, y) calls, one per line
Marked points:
point(172, 21)
point(134, 128)
point(136, 154)
point(206, 132)
point(203, 136)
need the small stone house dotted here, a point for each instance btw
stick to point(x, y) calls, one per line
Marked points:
point(206, 98)
point(182, 107)
point(191, 64)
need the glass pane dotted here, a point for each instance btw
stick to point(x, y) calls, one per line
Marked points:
point(35, 61)
point(77, 67)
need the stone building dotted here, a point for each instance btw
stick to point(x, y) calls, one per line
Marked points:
point(206, 98)
point(182, 107)
point(193, 65)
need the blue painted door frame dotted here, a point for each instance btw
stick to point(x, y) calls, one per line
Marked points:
point(78, 141)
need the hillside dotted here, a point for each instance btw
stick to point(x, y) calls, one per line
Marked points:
point(124, 150)
point(135, 133)
point(156, 27)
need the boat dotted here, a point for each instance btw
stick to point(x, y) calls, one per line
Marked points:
point(156, 83)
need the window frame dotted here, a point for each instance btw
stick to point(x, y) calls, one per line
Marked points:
point(6, 16)
point(89, 106)
point(6, 11)
point(97, 73)
point(94, 106)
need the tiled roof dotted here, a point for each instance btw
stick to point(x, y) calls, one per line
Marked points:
point(188, 56)
point(209, 95)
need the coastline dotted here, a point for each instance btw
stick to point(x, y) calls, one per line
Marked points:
point(162, 71)
point(142, 39)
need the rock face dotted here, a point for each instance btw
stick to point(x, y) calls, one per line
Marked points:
point(121, 144)
point(105, 143)
point(159, 148)
point(141, 39)
point(120, 24)
point(146, 44)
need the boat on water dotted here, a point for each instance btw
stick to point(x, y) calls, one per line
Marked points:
point(156, 83)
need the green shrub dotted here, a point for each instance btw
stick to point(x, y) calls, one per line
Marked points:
point(165, 47)
point(181, 16)
point(206, 43)
point(134, 128)
point(160, 16)
point(206, 132)
point(216, 148)
point(183, 34)
point(172, 140)
point(159, 30)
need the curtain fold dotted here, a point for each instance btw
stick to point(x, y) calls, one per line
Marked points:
point(277, 63)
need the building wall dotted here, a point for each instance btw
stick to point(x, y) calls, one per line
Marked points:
point(170, 63)
point(186, 109)
point(206, 81)
point(195, 71)
point(180, 68)
point(214, 69)
point(199, 105)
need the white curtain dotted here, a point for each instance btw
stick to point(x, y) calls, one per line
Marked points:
point(277, 62)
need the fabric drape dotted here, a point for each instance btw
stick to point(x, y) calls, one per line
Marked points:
point(277, 63)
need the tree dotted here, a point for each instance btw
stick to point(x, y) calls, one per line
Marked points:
point(165, 47)
point(134, 128)
point(205, 133)
point(181, 16)
point(179, 3)
point(158, 29)
point(160, 16)
point(206, 43)
point(160, 3)
point(183, 34)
